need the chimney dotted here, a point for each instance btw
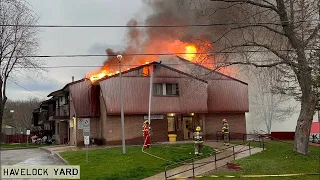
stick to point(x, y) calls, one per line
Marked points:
point(72, 78)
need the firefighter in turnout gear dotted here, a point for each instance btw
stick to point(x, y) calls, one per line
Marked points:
point(225, 132)
point(197, 136)
point(146, 135)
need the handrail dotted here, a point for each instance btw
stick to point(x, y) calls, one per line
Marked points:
point(215, 156)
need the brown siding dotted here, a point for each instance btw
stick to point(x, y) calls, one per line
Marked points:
point(85, 97)
point(227, 96)
point(192, 94)
point(63, 131)
point(213, 123)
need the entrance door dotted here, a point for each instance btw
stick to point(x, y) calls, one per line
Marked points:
point(187, 127)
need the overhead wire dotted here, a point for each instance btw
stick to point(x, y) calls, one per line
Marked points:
point(26, 89)
point(154, 26)
point(152, 54)
point(122, 65)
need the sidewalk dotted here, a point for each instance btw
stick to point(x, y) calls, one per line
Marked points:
point(59, 148)
point(208, 167)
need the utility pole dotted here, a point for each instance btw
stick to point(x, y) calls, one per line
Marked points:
point(121, 108)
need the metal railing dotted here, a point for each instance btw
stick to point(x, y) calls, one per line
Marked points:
point(314, 139)
point(239, 136)
point(191, 161)
point(63, 110)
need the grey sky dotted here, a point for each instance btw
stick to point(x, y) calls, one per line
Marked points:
point(59, 41)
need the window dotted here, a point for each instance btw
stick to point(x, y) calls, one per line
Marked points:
point(157, 89)
point(172, 89)
point(171, 123)
point(165, 89)
point(143, 71)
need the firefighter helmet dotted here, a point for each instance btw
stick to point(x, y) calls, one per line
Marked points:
point(224, 121)
point(146, 122)
point(198, 128)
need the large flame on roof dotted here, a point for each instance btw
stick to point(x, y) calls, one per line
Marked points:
point(187, 51)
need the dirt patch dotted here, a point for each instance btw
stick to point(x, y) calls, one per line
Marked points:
point(230, 167)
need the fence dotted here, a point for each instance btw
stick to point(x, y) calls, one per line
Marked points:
point(240, 136)
point(192, 160)
point(19, 138)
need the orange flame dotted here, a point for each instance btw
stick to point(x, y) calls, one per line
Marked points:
point(190, 50)
point(176, 47)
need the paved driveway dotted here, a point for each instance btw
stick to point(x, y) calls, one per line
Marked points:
point(28, 157)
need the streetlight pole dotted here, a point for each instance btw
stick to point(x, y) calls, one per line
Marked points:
point(121, 107)
point(12, 111)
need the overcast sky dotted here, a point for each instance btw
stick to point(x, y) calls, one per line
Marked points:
point(59, 41)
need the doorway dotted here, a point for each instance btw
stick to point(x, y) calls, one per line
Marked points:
point(187, 127)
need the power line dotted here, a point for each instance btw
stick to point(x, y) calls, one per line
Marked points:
point(125, 65)
point(151, 26)
point(152, 54)
point(26, 88)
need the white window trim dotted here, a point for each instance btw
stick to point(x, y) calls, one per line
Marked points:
point(164, 89)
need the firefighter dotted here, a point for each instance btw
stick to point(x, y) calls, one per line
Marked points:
point(146, 135)
point(197, 136)
point(225, 132)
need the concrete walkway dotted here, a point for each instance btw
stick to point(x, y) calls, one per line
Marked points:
point(210, 166)
point(57, 149)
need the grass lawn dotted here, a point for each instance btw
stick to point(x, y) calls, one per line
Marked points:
point(17, 146)
point(110, 163)
point(278, 158)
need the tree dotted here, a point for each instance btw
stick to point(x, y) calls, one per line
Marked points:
point(283, 34)
point(22, 116)
point(17, 42)
point(268, 107)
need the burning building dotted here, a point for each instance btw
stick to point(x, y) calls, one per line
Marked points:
point(187, 87)
point(184, 95)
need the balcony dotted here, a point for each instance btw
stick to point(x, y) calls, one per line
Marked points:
point(61, 112)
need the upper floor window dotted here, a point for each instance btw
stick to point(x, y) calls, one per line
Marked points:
point(143, 71)
point(166, 89)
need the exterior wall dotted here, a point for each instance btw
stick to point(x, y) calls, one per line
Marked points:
point(56, 131)
point(133, 130)
point(85, 97)
point(73, 130)
point(192, 94)
point(63, 131)
point(95, 129)
point(227, 96)
point(213, 123)
point(103, 120)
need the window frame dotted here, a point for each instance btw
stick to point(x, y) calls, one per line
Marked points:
point(172, 85)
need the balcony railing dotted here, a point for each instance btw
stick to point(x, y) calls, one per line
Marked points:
point(62, 111)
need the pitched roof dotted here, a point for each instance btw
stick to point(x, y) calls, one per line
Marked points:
point(199, 65)
point(152, 63)
point(65, 87)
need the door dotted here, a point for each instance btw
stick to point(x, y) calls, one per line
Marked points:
point(187, 128)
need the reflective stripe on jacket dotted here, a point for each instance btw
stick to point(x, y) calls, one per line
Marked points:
point(225, 128)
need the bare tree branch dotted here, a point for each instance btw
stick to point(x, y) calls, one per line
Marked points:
point(252, 3)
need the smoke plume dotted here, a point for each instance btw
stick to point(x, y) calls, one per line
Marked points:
point(157, 40)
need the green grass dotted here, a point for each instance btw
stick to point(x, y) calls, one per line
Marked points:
point(110, 163)
point(22, 145)
point(278, 158)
